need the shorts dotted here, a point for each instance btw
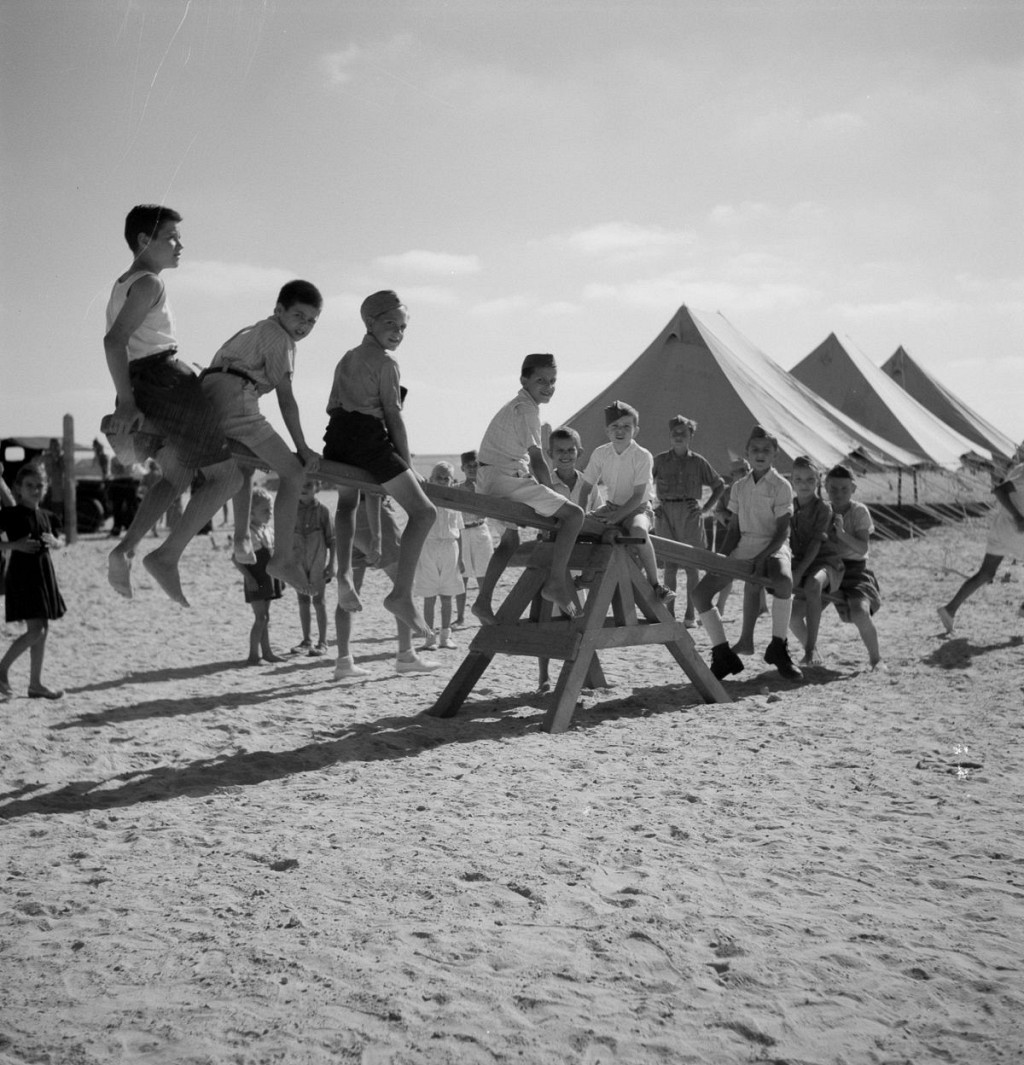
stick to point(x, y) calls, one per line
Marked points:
point(1004, 538)
point(389, 538)
point(521, 489)
point(177, 411)
point(676, 521)
point(238, 406)
point(437, 571)
point(477, 548)
point(310, 553)
point(858, 583)
point(362, 440)
point(643, 511)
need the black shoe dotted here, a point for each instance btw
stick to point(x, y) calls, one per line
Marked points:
point(777, 655)
point(724, 660)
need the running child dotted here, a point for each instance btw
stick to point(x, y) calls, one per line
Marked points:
point(314, 555)
point(476, 546)
point(817, 566)
point(512, 466)
point(623, 468)
point(1005, 537)
point(680, 477)
point(161, 410)
point(367, 430)
point(261, 588)
point(258, 360)
point(437, 573)
point(31, 588)
point(851, 531)
point(761, 505)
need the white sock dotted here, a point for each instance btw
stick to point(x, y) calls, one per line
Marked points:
point(782, 611)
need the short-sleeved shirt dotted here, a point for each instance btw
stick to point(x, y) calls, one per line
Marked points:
point(511, 434)
point(447, 525)
point(620, 473)
point(811, 524)
point(683, 476)
point(264, 352)
point(759, 505)
point(857, 520)
point(366, 381)
point(572, 494)
point(156, 333)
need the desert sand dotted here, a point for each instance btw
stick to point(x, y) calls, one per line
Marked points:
point(207, 863)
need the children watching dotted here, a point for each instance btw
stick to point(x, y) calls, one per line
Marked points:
point(680, 476)
point(762, 508)
point(476, 546)
point(255, 361)
point(816, 562)
point(367, 430)
point(437, 574)
point(851, 533)
point(160, 404)
point(623, 468)
point(314, 555)
point(512, 466)
point(1005, 537)
point(261, 588)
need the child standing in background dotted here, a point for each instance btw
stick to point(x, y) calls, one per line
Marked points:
point(260, 588)
point(816, 562)
point(31, 588)
point(314, 555)
point(851, 534)
point(476, 545)
point(437, 573)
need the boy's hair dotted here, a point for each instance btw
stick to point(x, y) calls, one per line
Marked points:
point(617, 409)
point(146, 219)
point(299, 292)
point(379, 303)
point(537, 361)
point(259, 492)
point(443, 467)
point(739, 467)
point(36, 469)
point(679, 422)
point(565, 432)
point(840, 473)
point(805, 462)
point(759, 432)
point(466, 457)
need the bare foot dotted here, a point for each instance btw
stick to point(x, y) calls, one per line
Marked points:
point(289, 571)
point(483, 612)
point(811, 658)
point(348, 598)
point(405, 610)
point(563, 596)
point(243, 553)
point(166, 575)
point(742, 647)
point(119, 572)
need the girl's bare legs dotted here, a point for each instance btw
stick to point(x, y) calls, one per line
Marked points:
point(344, 535)
point(220, 481)
point(259, 617)
point(860, 615)
point(558, 588)
point(985, 575)
point(421, 512)
point(320, 607)
point(806, 618)
point(753, 601)
point(304, 619)
point(33, 640)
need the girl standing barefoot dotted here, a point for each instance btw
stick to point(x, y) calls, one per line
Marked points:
point(32, 593)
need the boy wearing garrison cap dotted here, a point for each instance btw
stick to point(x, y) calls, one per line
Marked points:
point(623, 468)
point(511, 464)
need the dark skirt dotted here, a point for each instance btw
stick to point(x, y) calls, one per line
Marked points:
point(858, 583)
point(170, 396)
point(362, 440)
point(259, 585)
point(31, 591)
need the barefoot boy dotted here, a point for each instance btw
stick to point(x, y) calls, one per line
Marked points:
point(160, 400)
point(623, 468)
point(476, 546)
point(762, 508)
point(258, 360)
point(512, 465)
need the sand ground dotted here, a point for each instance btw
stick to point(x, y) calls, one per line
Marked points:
point(206, 863)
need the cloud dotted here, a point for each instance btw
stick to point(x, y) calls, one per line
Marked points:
point(431, 262)
point(337, 66)
point(504, 305)
point(228, 279)
point(616, 238)
point(672, 290)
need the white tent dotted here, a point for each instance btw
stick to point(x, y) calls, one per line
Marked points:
point(702, 367)
point(850, 381)
point(915, 380)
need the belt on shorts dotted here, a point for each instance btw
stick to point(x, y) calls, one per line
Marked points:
point(231, 370)
point(474, 524)
point(155, 357)
point(679, 499)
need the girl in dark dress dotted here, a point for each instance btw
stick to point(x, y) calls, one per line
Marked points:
point(32, 594)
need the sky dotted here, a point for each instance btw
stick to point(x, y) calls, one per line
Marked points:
point(529, 175)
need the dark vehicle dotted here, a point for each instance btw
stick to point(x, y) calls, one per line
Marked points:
point(92, 499)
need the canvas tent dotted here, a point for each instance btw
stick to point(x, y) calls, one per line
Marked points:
point(915, 380)
point(700, 366)
point(850, 381)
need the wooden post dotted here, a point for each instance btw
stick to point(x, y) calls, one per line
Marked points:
point(70, 501)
